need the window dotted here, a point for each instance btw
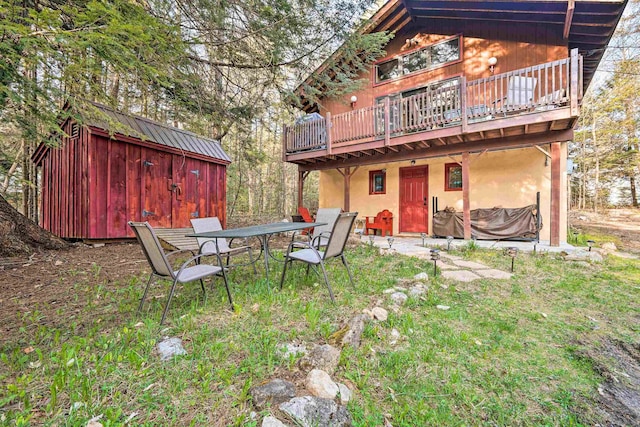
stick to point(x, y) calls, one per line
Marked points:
point(452, 177)
point(387, 70)
point(426, 58)
point(377, 182)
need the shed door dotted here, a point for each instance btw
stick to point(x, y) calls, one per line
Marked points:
point(188, 191)
point(156, 194)
point(414, 208)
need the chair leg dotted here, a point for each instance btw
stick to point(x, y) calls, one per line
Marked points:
point(144, 295)
point(326, 280)
point(284, 270)
point(344, 261)
point(166, 308)
point(253, 264)
point(308, 267)
point(226, 285)
point(204, 292)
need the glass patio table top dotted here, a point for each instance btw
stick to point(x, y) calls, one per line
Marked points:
point(262, 232)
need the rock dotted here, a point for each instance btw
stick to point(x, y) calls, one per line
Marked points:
point(399, 298)
point(421, 276)
point(274, 392)
point(94, 424)
point(310, 411)
point(320, 384)
point(379, 313)
point(271, 421)
point(394, 336)
point(291, 349)
point(443, 307)
point(389, 291)
point(417, 290)
point(351, 333)
point(325, 357)
point(345, 393)
point(58, 263)
point(368, 313)
point(170, 347)
point(609, 246)
point(583, 255)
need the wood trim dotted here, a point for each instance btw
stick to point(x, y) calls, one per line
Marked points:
point(571, 7)
point(447, 169)
point(555, 194)
point(466, 209)
point(495, 144)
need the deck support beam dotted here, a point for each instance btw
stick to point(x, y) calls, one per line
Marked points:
point(347, 173)
point(466, 210)
point(302, 176)
point(555, 193)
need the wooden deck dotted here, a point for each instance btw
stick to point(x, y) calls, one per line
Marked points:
point(523, 107)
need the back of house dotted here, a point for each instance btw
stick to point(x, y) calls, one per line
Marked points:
point(471, 108)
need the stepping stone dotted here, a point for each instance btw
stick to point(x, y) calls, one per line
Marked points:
point(443, 266)
point(468, 264)
point(451, 257)
point(461, 275)
point(494, 274)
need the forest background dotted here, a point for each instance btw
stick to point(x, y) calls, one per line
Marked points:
point(226, 69)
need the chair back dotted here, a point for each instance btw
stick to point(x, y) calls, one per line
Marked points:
point(340, 234)
point(305, 214)
point(520, 90)
point(152, 248)
point(328, 215)
point(202, 225)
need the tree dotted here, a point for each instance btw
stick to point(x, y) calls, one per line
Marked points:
point(211, 66)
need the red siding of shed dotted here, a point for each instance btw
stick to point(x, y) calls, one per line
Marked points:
point(92, 185)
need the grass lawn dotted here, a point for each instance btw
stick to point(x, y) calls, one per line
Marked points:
point(507, 352)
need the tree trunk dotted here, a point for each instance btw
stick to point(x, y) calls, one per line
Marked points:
point(634, 195)
point(21, 236)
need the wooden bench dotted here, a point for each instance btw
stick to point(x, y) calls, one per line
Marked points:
point(383, 221)
point(176, 238)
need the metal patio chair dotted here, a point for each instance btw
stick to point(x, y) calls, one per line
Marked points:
point(311, 255)
point(209, 246)
point(161, 267)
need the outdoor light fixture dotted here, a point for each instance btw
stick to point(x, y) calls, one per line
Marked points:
point(590, 243)
point(512, 251)
point(359, 233)
point(535, 245)
point(371, 238)
point(424, 237)
point(435, 256)
point(354, 99)
point(413, 162)
point(390, 240)
point(449, 240)
point(492, 63)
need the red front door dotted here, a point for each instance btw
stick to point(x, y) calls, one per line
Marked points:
point(414, 193)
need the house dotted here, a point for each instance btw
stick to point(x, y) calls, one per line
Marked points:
point(118, 167)
point(471, 108)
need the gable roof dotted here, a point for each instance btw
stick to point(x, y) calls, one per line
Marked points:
point(159, 133)
point(587, 25)
point(113, 122)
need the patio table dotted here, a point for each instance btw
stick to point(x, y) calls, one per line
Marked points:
point(262, 232)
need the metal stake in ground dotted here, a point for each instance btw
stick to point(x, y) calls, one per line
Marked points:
point(512, 251)
point(435, 256)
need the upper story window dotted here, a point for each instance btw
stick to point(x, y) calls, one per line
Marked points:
point(452, 177)
point(427, 58)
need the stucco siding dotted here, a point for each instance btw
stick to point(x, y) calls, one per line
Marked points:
point(505, 178)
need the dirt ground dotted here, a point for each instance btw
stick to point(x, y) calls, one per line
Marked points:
point(624, 224)
point(33, 292)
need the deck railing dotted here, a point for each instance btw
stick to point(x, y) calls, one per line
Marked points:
point(533, 89)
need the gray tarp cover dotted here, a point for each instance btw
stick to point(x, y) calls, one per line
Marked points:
point(490, 224)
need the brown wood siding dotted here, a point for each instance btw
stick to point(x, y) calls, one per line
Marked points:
point(517, 48)
point(92, 185)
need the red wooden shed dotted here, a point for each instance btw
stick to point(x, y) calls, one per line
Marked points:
point(121, 167)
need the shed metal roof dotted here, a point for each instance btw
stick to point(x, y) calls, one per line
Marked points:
point(149, 130)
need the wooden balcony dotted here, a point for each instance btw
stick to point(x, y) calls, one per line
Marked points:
point(523, 107)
